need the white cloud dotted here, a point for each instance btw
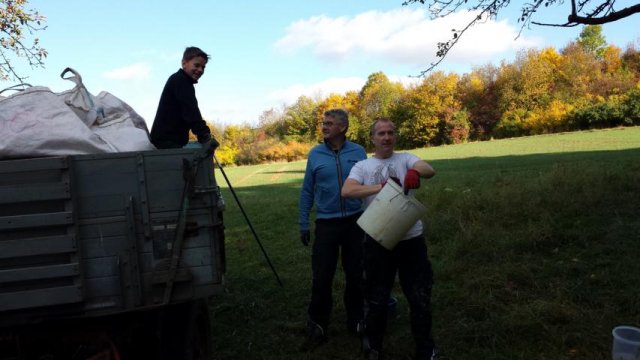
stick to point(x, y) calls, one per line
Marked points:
point(488, 39)
point(406, 81)
point(139, 71)
point(318, 90)
point(323, 89)
point(401, 36)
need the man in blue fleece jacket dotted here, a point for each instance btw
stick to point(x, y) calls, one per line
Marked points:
point(336, 231)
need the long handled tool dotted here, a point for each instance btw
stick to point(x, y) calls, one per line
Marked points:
point(247, 219)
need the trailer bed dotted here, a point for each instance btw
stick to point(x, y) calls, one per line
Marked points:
point(91, 235)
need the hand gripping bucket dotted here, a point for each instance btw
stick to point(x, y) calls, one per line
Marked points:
point(390, 215)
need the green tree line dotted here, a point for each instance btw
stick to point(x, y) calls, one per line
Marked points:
point(585, 85)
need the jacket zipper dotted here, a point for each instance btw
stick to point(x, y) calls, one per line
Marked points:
point(339, 168)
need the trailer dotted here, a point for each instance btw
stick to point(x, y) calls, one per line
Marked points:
point(113, 255)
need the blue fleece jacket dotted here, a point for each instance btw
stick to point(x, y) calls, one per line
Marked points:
point(326, 172)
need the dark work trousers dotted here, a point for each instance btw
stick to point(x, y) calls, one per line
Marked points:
point(335, 236)
point(410, 260)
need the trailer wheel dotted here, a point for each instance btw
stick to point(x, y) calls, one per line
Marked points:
point(186, 332)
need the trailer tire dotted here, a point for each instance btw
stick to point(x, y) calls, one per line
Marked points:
point(186, 332)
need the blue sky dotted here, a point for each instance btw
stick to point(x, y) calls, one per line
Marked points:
point(265, 54)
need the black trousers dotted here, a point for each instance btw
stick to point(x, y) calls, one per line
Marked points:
point(410, 260)
point(335, 237)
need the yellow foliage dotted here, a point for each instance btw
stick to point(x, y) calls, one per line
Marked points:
point(542, 120)
point(226, 154)
point(612, 59)
point(285, 152)
point(476, 85)
point(551, 56)
point(550, 119)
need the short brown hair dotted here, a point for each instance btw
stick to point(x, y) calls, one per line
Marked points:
point(379, 120)
point(193, 52)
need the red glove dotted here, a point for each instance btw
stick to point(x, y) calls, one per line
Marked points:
point(411, 180)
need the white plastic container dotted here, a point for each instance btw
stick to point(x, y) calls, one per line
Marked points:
point(390, 215)
point(626, 343)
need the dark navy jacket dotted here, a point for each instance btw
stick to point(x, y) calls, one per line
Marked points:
point(177, 113)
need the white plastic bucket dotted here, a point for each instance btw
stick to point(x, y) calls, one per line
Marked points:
point(390, 215)
point(626, 343)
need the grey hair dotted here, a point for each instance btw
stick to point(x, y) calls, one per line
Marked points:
point(340, 115)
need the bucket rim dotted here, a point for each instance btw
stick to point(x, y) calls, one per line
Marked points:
point(411, 199)
point(618, 337)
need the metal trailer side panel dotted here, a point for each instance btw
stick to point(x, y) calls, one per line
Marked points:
point(102, 227)
point(38, 235)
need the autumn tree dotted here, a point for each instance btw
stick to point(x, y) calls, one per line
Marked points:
point(333, 101)
point(352, 104)
point(631, 60)
point(237, 145)
point(272, 123)
point(592, 40)
point(527, 98)
point(611, 59)
point(17, 26)
point(615, 79)
point(477, 92)
point(527, 82)
point(299, 120)
point(377, 98)
point(427, 114)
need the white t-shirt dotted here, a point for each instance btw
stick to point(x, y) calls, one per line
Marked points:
point(376, 171)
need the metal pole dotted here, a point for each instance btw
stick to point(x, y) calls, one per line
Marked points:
point(247, 219)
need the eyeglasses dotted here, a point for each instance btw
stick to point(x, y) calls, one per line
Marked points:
point(328, 123)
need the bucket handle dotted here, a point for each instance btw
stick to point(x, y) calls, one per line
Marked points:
point(396, 195)
point(405, 205)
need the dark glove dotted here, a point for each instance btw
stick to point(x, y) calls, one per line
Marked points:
point(204, 138)
point(411, 180)
point(395, 179)
point(211, 144)
point(305, 237)
point(214, 143)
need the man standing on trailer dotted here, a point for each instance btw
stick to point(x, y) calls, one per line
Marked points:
point(336, 231)
point(178, 110)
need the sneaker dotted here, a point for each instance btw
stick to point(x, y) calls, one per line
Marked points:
point(365, 345)
point(373, 355)
point(369, 352)
point(315, 338)
point(355, 327)
point(433, 355)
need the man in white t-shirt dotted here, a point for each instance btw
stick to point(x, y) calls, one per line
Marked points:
point(409, 258)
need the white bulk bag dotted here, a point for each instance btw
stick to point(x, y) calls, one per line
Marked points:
point(36, 122)
point(39, 122)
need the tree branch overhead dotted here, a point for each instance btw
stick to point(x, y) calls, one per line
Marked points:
point(583, 12)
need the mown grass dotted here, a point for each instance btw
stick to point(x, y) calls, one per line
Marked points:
point(535, 244)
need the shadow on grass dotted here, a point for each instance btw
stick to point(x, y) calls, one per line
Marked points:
point(285, 172)
point(534, 257)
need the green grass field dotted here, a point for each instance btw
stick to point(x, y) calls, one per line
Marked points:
point(535, 244)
